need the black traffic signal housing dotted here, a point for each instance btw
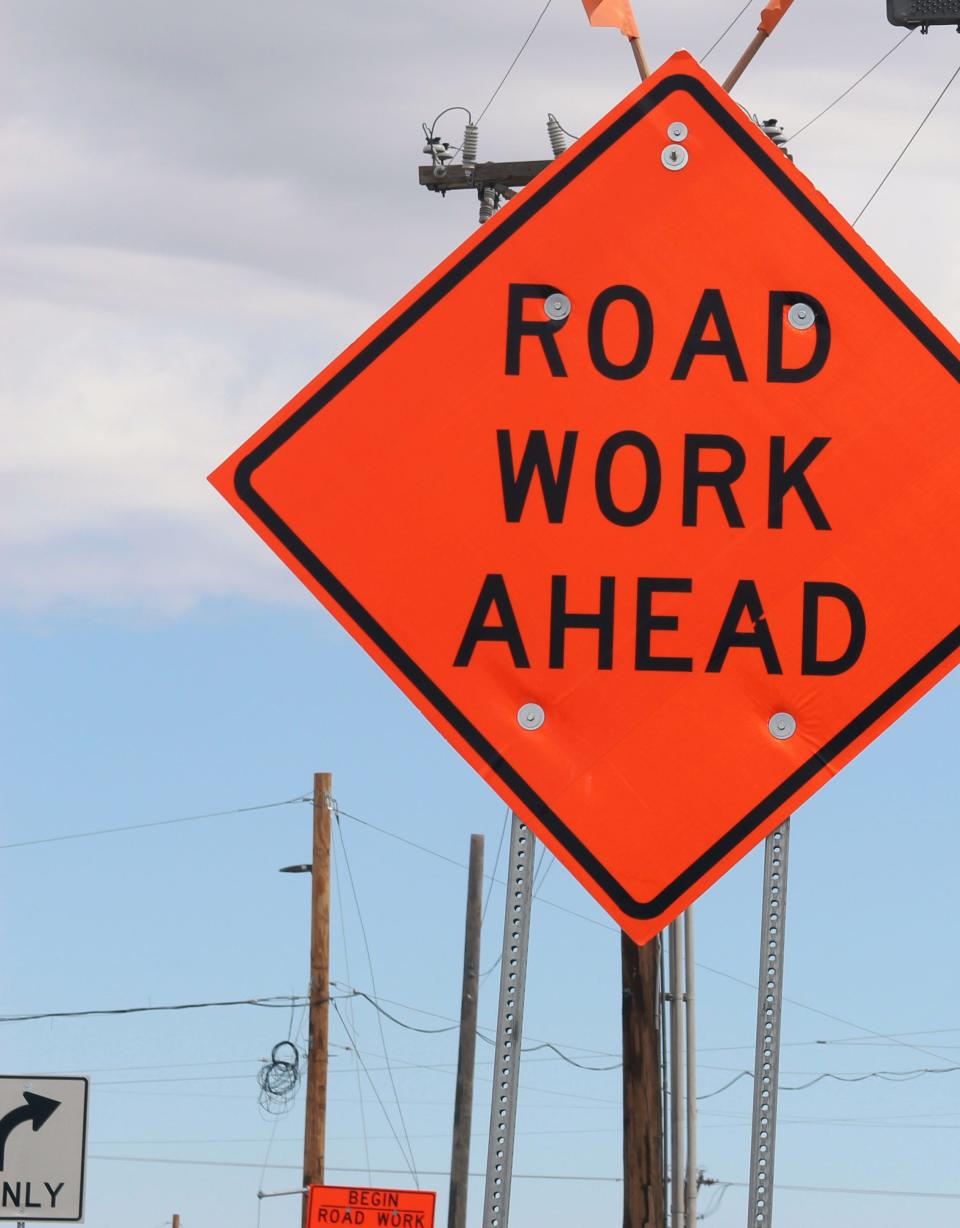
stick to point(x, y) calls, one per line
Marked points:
point(923, 13)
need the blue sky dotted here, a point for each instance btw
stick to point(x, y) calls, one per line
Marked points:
point(203, 208)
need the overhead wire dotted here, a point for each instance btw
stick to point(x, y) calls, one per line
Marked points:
point(275, 1003)
point(338, 886)
point(886, 1076)
point(461, 865)
point(513, 62)
point(266, 1163)
point(916, 133)
point(366, 946)
point(839, 1189)
point(719, 39)
point(407, 1154)
point(350, 993)
point(539, 875)
point(291, 1001)
point(495, 866)
point(519, 1176)
point(190, 818)
point(815, 1010)
point(850, 88)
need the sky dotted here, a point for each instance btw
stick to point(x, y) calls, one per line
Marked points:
point(203, 205)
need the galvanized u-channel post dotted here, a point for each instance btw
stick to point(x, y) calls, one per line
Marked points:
point(769, 1011)
point(506, 1073)
point(678, 1171)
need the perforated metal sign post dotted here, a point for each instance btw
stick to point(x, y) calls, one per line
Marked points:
point(674, 537)
point(369, 1207)
point(43, 1132)
point(513, 984)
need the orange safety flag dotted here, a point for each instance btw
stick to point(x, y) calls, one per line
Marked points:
point(617, 13)
point(772, 14)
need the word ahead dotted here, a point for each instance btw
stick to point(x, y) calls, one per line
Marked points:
point(370, 1208)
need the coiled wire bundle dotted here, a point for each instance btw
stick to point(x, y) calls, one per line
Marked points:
point(279, 1078)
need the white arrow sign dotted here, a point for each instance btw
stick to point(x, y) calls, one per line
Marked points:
point(43, 1135)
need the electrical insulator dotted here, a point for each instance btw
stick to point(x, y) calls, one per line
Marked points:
point(471, 139)
point(488, 205)
point(558, 140)
point(774, 131)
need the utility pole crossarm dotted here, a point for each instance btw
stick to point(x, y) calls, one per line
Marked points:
point(482, 175)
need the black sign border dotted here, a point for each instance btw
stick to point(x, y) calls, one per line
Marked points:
point(772, 164)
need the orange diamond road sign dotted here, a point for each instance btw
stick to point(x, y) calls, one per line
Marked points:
point(648, 497)
point(365, 1207)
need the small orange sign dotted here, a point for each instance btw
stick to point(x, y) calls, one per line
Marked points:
point(647, 497)
point(367, 1207)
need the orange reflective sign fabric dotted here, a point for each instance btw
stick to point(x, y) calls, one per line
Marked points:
point(664, 451)
point(618, 13)
point(772, 14)
point(367, 1207)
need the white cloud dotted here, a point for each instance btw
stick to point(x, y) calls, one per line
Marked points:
point(119, 398)
point(203, 204)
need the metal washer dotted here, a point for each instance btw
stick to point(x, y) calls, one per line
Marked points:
point(802, 316)
point(556, 306)
point(531, 716)
point(674, 157)
point(782, 725)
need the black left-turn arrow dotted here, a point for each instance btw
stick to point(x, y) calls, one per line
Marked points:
point(37, 1109)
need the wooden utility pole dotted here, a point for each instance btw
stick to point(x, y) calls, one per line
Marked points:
point(463, 1104)
point(176, 1221)
point(644, 1202)
point(466, 1057)
point(316, 1111)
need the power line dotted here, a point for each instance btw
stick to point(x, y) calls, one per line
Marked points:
point(285, 1002)
point(513, 62)
point(916, 133)
point(338, 884)
point(398, 1172)
point(275, 1003)
point(409, 1157)
point(419, 1010)
point(233, 1061)
point(717, 41)
point(280, 1001)
point(886, 1076)
point(384, 831)
point(493, 868)
point(815, 1010)
point(612, 1180)
point(839, 1189)
point(851, 88)
point(461, 865)
point(190, 818)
